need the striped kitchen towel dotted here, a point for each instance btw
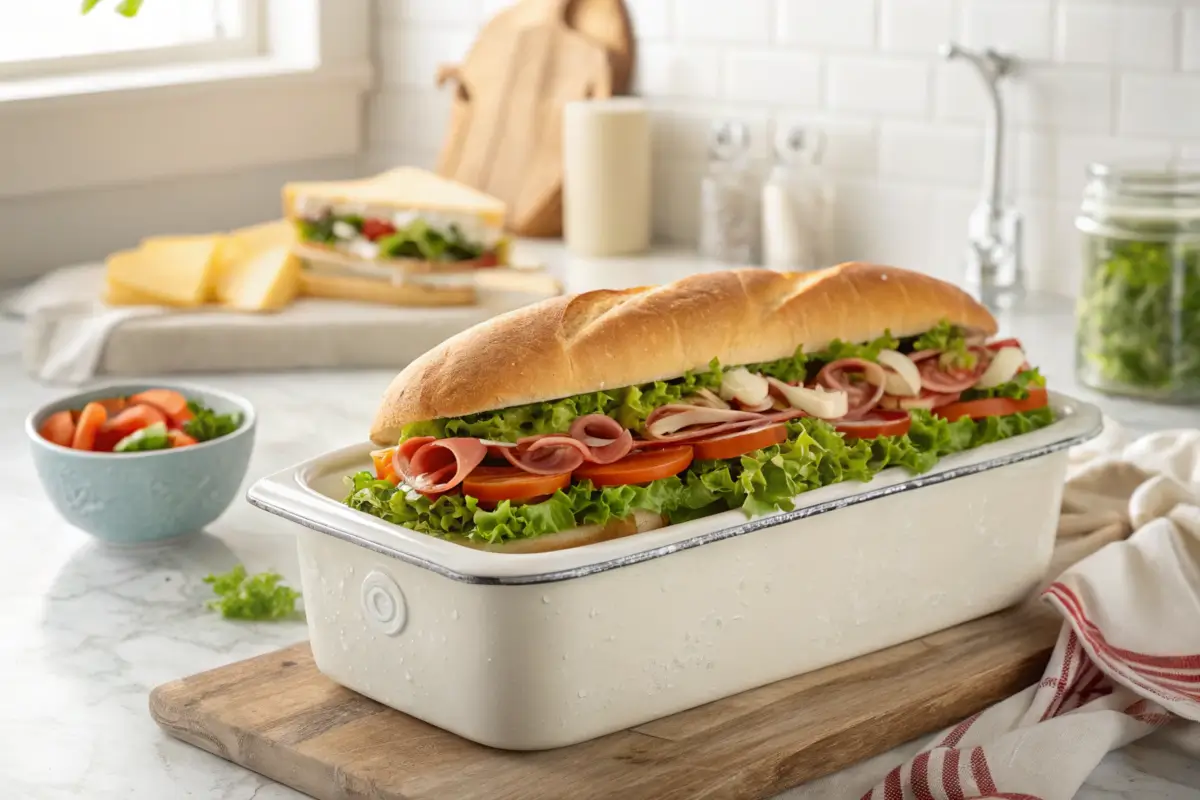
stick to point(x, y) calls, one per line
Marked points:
point(1127, 662)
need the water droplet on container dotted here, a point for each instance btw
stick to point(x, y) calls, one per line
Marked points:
point(767, 588)
point(582, 693)
point(545, 599)
point(564, 656)
point(454, 614)
point(593, 613)
point(407, 676)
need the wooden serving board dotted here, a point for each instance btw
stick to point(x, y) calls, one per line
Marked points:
point(278, 716)
point(504, 136)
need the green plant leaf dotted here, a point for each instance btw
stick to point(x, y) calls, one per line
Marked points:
point(257, 597)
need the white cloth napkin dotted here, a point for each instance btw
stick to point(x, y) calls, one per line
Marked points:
point(66, 326)
point(1127, 662)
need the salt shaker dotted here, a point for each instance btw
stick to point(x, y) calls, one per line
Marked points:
point(797, 204)
point(728, 198)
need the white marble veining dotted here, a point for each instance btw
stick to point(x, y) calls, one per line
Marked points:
point(86, 631)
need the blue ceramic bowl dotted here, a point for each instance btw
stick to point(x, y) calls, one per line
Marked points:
point(130, 498)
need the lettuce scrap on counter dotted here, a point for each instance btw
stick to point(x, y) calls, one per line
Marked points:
point(255, 597)
point(767, 480)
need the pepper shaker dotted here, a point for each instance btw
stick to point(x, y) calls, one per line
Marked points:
point(728, 198)
point(797, 204)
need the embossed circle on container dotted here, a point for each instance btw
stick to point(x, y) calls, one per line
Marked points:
point(383, 603)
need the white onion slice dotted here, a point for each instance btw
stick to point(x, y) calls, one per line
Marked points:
point(491, 443)
point(819, 402)
point(744, 386)
point(1005, 364)
point(903, 378)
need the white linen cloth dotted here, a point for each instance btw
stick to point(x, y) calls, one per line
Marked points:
point(1127, 662)
point(69, 336)
point(67, 327)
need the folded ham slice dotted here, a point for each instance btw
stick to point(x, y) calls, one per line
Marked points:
point(606, 439)
point(433, 466)
point(862, 395)
point(552, 454)
point(936, 378)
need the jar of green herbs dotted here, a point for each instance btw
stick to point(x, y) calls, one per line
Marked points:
point(1138, 318)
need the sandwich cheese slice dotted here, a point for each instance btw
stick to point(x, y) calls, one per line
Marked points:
point(406, 217)
point(605, 414)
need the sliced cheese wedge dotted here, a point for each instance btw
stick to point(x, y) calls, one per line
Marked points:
point(176, 272)
point(117, 295)
point(265, 281)
point(243, 246)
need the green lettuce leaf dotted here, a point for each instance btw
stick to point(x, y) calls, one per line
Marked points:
point(869, 351)
point(792, 369)
point(1017, 389)
point(419, 240)
point(630, 406)
point(949, 338)
point(207, 424)
point(253, 597)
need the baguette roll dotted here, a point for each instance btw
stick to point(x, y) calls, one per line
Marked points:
point(611, 339)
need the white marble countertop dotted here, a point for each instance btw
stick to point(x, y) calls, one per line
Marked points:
point(86, 631)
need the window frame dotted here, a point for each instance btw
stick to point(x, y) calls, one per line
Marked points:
point(300, 100)
point(251, 44)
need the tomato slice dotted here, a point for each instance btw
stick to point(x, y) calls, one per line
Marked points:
point(169, 402)
point(738, 443)
point(59, 428)
point(994, 406)
point(640, 466)
point(493, 484)
point(373, 229)
point(133, 418)
point(880, 423)
point(1004, 343)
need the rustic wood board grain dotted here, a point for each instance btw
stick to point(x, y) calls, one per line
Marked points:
point(278, 716)
point(504, 136)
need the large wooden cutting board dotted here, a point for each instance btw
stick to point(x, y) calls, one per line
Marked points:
point(279, 716)
point(505, 131)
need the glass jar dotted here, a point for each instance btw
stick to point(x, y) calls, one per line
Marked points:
point(1138, 317)
point(729, 198)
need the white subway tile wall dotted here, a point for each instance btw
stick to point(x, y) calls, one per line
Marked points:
point(1100, 79)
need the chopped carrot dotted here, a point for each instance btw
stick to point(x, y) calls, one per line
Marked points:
point(179, 438)
point(113, 405)
point(168, 401)
point(91, 419)
point(385, 469)
point(59, 428)
point(133, 418)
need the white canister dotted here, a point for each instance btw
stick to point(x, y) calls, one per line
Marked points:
point(606, 176)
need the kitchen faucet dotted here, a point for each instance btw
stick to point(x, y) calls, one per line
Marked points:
point(994, 268)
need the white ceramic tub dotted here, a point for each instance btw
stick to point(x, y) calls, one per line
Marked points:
point(543, 650)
